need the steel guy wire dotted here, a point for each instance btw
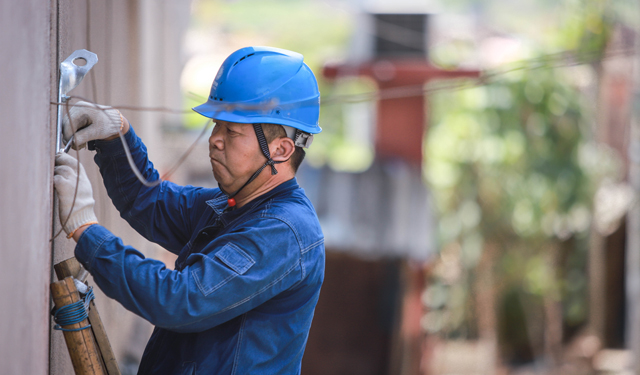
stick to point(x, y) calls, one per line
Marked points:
point(556, 60)
point(560, 60)
point(552, 61)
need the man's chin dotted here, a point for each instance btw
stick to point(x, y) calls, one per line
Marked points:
point(216, 177)
point(220, 182)
point(215, 170)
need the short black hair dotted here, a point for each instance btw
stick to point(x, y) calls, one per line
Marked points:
point(273, 131)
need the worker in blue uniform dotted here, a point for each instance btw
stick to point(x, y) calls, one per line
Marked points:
point(250, 253)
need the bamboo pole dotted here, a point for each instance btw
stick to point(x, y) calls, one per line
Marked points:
point(82, 347)
point(71, 267)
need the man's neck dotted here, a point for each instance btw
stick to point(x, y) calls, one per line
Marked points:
point(262, 185)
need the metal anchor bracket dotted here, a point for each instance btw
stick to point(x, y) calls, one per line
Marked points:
point(71, 74)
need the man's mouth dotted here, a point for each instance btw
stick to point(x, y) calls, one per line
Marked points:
point(215, 163)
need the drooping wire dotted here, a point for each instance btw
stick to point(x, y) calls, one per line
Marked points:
point(166, 175)
point(130, 160)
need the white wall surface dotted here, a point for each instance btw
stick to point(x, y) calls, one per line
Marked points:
point(25, 186)
point(35, 35)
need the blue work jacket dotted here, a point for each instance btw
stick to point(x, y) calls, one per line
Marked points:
point(246, 281)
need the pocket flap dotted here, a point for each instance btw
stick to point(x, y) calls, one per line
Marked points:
point(236, 259)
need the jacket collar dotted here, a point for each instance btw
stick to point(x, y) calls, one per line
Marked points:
point(219, 203)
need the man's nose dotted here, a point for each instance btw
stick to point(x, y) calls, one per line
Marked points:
point(215, 140)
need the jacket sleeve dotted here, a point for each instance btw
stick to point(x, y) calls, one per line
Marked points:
point(235, 273)
point(165, 213)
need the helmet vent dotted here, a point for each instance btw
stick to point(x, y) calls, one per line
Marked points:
point(216, 98)
point(242, 58)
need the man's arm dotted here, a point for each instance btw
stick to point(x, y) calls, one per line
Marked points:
point(165, 213)
point(235, 273)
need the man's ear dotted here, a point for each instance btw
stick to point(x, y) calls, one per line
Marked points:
point(282, 148)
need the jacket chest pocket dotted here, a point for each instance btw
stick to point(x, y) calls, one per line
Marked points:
point(212, 273)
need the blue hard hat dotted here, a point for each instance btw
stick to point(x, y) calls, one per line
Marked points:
point(265, 85)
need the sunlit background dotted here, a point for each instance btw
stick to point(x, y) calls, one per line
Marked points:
point(500, 247)
point(476, 177)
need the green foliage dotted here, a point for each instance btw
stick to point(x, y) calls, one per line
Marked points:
point(508, 164)
point(510, 151)
point(512, 167)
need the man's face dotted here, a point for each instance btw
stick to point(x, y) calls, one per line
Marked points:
point(234, 153)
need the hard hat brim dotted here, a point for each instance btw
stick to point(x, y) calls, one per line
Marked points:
point(237, 114)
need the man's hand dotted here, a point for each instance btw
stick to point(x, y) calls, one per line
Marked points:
point(92, 121)
point(65, 176)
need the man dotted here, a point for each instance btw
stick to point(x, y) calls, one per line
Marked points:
point(250, 254)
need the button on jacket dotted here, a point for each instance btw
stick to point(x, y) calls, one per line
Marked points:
point(246, 281)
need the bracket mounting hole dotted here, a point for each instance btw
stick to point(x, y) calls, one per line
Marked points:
point(80, 61)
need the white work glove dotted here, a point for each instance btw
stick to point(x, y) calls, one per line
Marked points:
point(64, 180)
point(90, 122)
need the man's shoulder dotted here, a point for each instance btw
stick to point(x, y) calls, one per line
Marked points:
point(293, 205)
point(293, 209)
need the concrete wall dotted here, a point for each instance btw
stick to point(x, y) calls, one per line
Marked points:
point(25, 186)
point(138, 45)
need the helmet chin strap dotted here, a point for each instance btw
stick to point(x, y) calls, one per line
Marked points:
point(264, 146)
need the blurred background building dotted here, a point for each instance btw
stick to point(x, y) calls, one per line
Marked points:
point(476, 176)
